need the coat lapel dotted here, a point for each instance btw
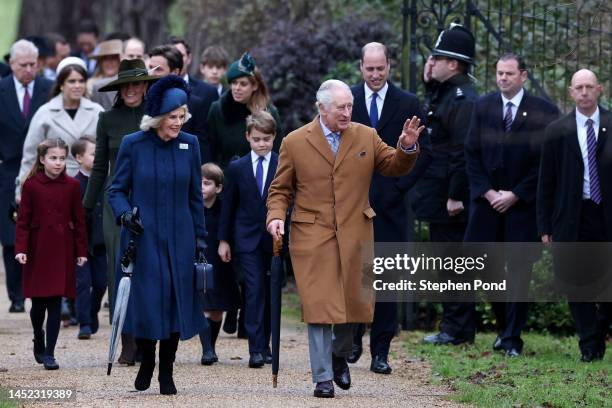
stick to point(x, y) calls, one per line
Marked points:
point(360, 112)
point(39, 98)
point(9, 97)
point(317, 139)
point(346, 140)
point(249, 176)
point(270, 176)
point(495, 112)
point(521, 113)
point(572, 139)
point(605, 121)
point(390, 106)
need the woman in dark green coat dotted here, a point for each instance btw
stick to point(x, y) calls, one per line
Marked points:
point(227, 129)
point(124, 118)
point(227, 116)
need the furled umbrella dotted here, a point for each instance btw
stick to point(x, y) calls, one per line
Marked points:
point(276, 281)
point(123, 291)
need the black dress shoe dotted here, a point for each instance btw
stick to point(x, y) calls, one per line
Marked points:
point(380, 365)
point(231, 321)
point(354, 357)
point(497, 344)
point(513, 353)
point(256, 360)
point(342, 375)
point(268, 356)
point(444, 338)
point(39, 347)
point(324, 389)
point(17, 308)
point(49, 363)
point(209, 357)
point(591, 355)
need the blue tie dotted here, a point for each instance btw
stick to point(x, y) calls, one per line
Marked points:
point(374, 111)
point(592, 157)
point(259, 175)
point(508, 117)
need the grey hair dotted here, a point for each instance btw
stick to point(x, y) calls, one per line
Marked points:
point(324, 94)
point(23, 47)
point(152, 122)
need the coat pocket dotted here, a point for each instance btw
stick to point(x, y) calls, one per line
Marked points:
point(369, 213)
point(303, 216)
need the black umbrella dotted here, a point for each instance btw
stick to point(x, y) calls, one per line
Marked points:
point(123, 293)
point(276, 281)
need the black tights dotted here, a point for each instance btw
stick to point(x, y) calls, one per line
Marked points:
point(52, 306)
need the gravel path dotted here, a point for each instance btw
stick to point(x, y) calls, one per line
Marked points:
point(229, 383)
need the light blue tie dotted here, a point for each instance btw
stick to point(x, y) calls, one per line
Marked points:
point(334, 142)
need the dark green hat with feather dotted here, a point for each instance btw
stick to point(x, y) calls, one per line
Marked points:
point(245, 66)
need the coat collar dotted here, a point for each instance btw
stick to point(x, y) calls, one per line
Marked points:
point(44, 179)
point(317, 139)
point(85, 114)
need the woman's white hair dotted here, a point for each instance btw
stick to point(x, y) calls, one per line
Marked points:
point(152, 122)
point(23, 48)
point(325, 92)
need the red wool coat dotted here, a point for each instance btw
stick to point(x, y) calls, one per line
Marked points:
point(51, 232)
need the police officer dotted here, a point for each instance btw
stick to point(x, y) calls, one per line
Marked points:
point(441, 196)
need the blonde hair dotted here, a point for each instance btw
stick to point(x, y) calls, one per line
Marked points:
point(152, 122)
point(41, 151)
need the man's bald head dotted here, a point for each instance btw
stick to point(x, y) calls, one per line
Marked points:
point(374, 65)
point(585, 90)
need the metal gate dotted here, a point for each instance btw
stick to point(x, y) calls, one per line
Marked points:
point(555, 39)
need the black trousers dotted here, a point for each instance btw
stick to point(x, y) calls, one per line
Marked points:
point(458, 318)
point(13, 275)
point(592, 320)
point(384, 327)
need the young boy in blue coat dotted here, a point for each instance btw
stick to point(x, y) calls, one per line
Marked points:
point(243, 223)
point(91, 277)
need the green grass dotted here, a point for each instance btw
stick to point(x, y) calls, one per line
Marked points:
point(291, 308)
point(5, 402)
point(548, 374)
point(9, 20)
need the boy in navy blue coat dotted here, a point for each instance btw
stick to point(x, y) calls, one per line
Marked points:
point(91, 277)
point(243, 223)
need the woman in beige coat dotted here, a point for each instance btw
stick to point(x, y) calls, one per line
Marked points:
point(68, 116)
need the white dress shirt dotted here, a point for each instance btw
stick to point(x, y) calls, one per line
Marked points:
point(265, 164)
point(581, 129)
point(516, 101)
point(380, 99)
point(20, 89)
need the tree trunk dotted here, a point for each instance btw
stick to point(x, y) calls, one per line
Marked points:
point(146, 19)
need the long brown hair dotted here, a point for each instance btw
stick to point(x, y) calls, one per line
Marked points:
point(64, 74)
point(260, 97)
point(41, 151)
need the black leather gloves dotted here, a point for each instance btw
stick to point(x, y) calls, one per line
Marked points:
point(131, 221)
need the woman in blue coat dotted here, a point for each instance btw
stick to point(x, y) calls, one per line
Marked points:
point(158, 170)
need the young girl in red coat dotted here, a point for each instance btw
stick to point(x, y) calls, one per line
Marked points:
point(50, 239)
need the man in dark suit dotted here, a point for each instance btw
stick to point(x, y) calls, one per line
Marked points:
point(207, 92)
point(502, 158)
point(380, 104)
point(167, 59)
point(21, 94)
point(574, 198)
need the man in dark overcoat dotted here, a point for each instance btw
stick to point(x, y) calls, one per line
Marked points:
point(574, 199)
point(17, 106)
point(380, 104)
point(441, 195)
point(502, 159)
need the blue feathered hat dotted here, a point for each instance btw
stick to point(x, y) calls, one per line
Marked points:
point(167, 94)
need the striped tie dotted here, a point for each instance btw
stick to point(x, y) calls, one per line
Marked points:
point(593, 174)
point(334, 141)
point(508, 117)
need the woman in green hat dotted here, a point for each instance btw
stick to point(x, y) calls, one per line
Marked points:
point(248, 93)
point(124, 118)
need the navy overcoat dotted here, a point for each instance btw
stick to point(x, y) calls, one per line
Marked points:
point(163, 180)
